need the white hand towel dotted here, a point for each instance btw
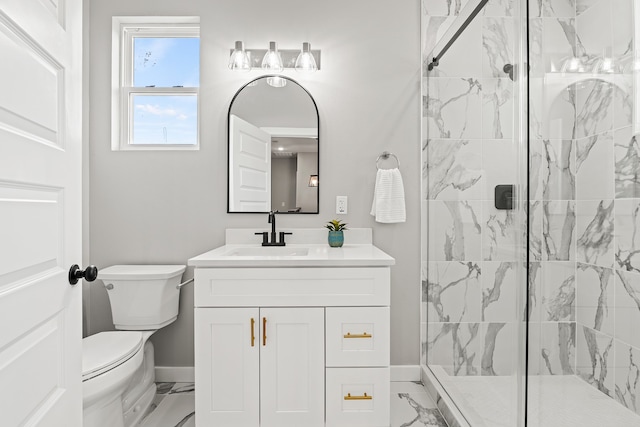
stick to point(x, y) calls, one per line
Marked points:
point(388, 197)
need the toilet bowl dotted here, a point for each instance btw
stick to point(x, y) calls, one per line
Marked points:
point(118, 378)
point(109, 360)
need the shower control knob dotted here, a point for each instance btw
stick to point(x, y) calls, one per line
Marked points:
point(89, 274)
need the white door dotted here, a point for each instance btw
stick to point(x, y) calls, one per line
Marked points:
point(227, 367)
point(292, 367)
point(249, 167)
point(40, 212)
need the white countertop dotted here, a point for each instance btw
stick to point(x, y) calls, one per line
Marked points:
point(358, 250)
point(319, 255)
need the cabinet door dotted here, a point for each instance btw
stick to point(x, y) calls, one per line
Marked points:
point(227, 364)
point(292, 367)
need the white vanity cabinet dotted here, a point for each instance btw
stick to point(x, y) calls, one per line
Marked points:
point(269, 339)
point(260, 366)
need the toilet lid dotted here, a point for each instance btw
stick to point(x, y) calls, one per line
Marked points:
point(106, 350)
point(135, 272)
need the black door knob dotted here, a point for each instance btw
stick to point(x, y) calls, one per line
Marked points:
point(89, 274)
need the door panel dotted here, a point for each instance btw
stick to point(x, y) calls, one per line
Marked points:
point(227, 363)
point(292, 367)
point(40, 212)
point(250, 167)
point(36, 241)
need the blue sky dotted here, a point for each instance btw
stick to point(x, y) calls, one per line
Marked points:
point(166, 62)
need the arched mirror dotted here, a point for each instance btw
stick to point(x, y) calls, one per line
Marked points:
point(273, 137)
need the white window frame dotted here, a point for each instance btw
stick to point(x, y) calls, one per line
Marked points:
point(124, 28)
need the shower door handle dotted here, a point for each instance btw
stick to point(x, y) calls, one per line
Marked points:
point(504, 197)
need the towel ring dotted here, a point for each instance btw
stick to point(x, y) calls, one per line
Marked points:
point(384, 156)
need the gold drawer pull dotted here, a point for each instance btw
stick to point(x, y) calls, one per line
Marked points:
point(264, 331)
point(253, 332)
point(363, 335)
point(365, 397)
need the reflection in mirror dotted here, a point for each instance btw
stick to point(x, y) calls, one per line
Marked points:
point(273, 148)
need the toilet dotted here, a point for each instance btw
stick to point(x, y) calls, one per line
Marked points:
point(118, 370)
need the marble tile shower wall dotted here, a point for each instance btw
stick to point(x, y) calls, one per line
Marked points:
point(470, 255)
point(584, 289)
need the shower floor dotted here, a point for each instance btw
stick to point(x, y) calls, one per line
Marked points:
point(554, 401)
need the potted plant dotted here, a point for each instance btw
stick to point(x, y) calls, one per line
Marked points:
point(336, 236)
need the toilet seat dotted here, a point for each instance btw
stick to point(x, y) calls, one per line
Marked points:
point(106, 350)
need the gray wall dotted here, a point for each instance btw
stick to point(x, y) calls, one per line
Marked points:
point(165, 207)
point(283, 183)
point(306, 196)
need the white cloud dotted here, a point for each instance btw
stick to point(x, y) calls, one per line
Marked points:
point(157, 111)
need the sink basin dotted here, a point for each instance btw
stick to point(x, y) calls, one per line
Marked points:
point(268, 251)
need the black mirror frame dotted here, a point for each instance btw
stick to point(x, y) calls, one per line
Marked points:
point(229, 144)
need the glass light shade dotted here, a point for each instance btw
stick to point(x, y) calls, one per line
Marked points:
point(276, 81)
point(313, 181)
point(572, 65)
point(239, 60)
point(633, 67)
point(305, 62)
point(272, 60)
point(604, 65)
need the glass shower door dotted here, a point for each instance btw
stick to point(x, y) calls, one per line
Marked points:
point(550, 288)
point(474, 229)
point(584, 305)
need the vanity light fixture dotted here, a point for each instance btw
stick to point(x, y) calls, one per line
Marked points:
point(272, 61)
point(305, 62)
point(275, 81)
point(313, 181)
point(239, 59)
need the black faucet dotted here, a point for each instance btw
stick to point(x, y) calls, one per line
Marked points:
point(265, 234)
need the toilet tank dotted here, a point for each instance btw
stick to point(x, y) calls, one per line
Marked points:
point(143, 297)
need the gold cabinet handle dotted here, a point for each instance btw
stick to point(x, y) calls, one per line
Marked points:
point(363, 335)
point(264, 331)
point(253, 332)
point(365, 397)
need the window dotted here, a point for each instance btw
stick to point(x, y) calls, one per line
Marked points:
point(155, 81)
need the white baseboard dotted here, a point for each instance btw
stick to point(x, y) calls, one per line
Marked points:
point(186, 374)
point(175, 374)
point(405, 373)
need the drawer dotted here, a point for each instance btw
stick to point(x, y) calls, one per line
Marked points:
point(286, 287)
point(357, 336)
point(358, 397)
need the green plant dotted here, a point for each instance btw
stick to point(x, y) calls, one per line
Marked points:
point(336, 225)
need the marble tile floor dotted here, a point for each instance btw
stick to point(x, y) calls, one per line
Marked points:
point(174, 406)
